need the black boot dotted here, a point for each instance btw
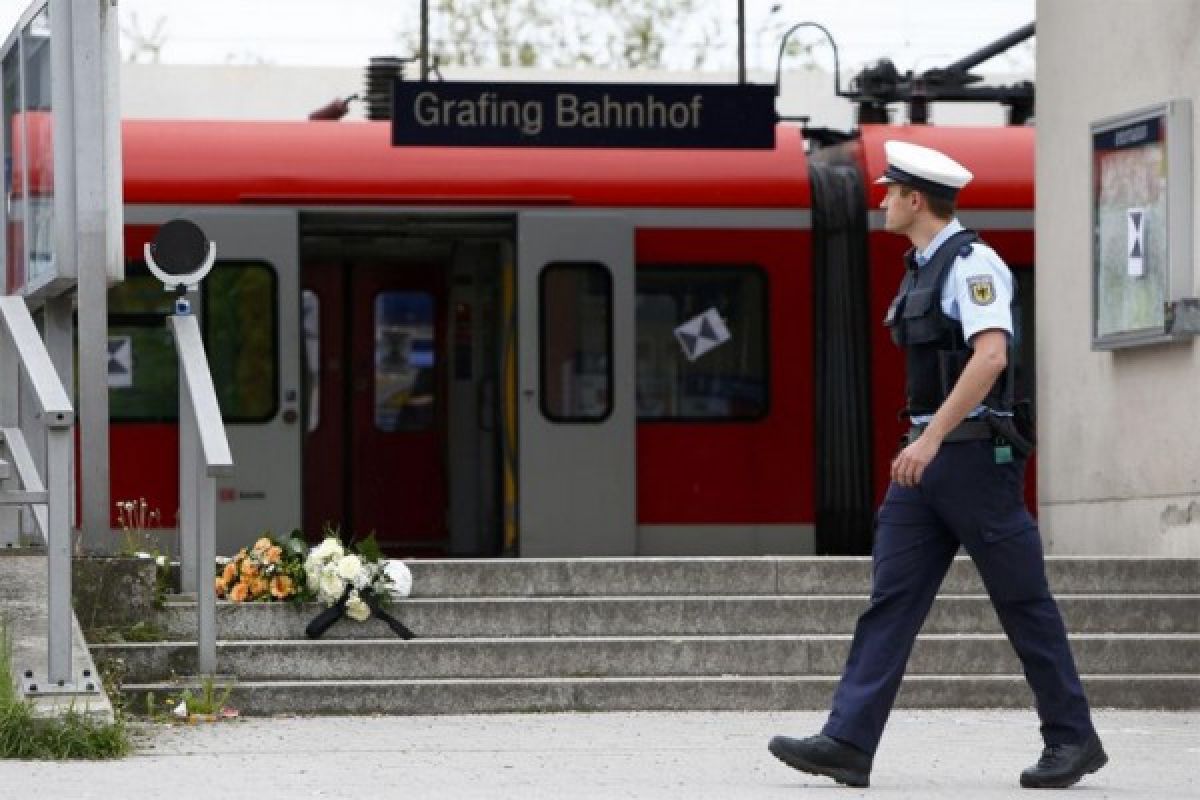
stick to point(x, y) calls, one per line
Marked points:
point(822, 755)
point(1062, 765)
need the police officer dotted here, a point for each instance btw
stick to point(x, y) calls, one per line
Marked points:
point(957, 481)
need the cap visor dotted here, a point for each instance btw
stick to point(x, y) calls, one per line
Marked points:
point(884, 179)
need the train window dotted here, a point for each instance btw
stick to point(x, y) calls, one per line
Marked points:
point(405, 377)
point(729, 382)
point(575, 309)
point(140, 294)
point(240, 337)
point(143, 370)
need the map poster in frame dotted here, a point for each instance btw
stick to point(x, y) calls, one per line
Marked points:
point(1141, 223)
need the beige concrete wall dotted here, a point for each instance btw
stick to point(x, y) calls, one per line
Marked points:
point(1119, 468)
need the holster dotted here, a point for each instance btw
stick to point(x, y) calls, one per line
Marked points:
point(1006, 427)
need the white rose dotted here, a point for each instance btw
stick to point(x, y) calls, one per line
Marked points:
point(401, 579)
point(356, 609)
point(330, 585)
point(349, 567)
point(328, 550)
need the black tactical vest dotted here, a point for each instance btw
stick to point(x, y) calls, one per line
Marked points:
point(933, 342)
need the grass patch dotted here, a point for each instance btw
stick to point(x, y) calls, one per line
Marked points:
point(211, 700)
point(207, 702)
point(141, 631)
point(73, 735)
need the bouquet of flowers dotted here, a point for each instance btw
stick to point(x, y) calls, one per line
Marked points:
point(354, 581)
point(269, 570)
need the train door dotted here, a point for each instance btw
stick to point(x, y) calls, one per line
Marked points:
point(397, 407)
point(376, 418)
point(403, 321)
point(246, 307)
point(576, 397)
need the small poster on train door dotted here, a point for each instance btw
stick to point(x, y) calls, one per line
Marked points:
point(120, 362)
point(701, 334)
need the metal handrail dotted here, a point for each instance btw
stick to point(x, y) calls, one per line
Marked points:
point(58, 417)
point(214, 444)
point(27, 474)
point(53, 403)
point(204, 455)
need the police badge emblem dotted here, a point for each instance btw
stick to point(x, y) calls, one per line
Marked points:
point(983, 291)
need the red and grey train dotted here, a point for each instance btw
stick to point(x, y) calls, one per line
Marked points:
point(471, 352)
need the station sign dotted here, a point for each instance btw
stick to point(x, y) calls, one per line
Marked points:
point(671, 115)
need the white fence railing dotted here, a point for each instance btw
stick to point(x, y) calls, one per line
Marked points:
point(204, 455)
point(23, 353)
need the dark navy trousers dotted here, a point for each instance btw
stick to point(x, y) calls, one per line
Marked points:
point(964, 498)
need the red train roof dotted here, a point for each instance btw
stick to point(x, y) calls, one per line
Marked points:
point(1000, 158)
point(322, 163)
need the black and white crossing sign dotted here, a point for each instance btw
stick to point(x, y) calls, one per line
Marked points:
point(701, 334)
point(1137, 242)
point(120, 362)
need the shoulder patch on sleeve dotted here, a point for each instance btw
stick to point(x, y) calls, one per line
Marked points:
point(983, 290)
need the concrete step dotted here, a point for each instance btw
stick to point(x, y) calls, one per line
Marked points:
point(569, 657)
point(679, 633)
point(661, 616)
point(739, 693)
point(592, 577)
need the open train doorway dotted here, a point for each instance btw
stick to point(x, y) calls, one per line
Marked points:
point(407, 436)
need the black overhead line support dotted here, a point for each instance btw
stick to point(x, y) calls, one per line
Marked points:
point(877, 86)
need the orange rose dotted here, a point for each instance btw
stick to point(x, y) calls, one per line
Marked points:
point(230, 573)
point(273, 554)
point(281, 587)
point(258, 588)
point(239, 593)
point(262, 544)
point(222, 587)
point(249, 569)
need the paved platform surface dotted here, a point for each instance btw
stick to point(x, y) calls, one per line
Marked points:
point(717, 756)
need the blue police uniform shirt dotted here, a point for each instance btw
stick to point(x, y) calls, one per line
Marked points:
point(978, 292)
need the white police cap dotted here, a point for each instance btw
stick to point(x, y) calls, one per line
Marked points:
point(924, 169)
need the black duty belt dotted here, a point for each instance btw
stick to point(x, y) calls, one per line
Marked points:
point(968, 430)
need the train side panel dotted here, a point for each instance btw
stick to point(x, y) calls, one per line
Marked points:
point(746, 480)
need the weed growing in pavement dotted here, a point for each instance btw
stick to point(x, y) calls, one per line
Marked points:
point(24, 735)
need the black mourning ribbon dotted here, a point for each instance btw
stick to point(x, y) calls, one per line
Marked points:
point(324, 620)
point(372, 600)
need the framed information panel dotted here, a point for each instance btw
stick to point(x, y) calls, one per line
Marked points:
point(1141, 224)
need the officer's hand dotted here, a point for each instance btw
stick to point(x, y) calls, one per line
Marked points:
point(908, 467)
